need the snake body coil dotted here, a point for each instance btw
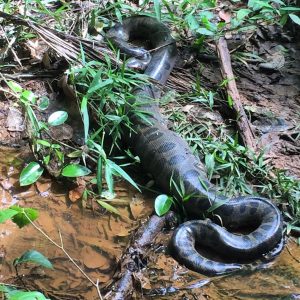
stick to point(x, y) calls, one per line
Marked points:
point(168, 158)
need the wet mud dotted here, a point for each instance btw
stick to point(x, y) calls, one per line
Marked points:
point(96, 239)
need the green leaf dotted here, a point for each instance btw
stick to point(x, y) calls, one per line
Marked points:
point(33, 119)
point(210, 164)
point(204, 31)
point(21, 217)
point(162, 204)
point(34, 257)
point(85, 116)
point(109, 178)
point(122, 173)
point(58, 118)
point(28, 97)
point(20, 295)
point(74, 170)
point(99, 175)
point(290, 8)
point(157, 9)
point(216, 205)
point(30, 174)
point(192, 22)
point(76, 153)
point(44, 103)
point(295, 18)
point(242, 13)
point(108, 207)
point(15, 87)
point(230, 101)
point(44, 143)
point(6, 214)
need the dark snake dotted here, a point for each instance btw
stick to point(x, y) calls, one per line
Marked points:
point(168, 158)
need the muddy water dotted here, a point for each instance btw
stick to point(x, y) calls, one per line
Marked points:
point(96, 240)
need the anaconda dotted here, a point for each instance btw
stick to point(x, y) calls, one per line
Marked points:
point(166, 156)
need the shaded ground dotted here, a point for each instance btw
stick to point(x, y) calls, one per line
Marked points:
point(270, 91)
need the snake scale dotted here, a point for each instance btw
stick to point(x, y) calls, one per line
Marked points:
point(168, 158)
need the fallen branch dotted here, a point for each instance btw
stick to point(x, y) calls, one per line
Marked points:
point(135, 255)
point(233, 93)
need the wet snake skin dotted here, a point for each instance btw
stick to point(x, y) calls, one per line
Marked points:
point(168, 158)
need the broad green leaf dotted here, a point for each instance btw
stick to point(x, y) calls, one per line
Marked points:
point(58, 118)
point(74, 170)
point(242, 13)
point(295, 18)
point(15, 87)
point(20, 218)
point(192, 22)
point(28, 97)
point(204, 31)
point(20, 295)
point(34, 257)
point(44, 102)
point(30, 174)
point(162, 204)
point(6, 214)
point(108, 207)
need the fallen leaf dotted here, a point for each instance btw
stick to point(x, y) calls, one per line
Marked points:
point(42, 187)
point(187, 108)
point(137, 208)
point(226, 16)
point(94, 260)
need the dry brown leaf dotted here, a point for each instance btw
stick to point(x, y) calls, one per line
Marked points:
point(137, 208)
point(76, 194)
point(187, 108)
point(93, 259)
point(226, 16)
point(42, 187)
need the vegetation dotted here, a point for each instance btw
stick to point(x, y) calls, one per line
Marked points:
point(104, 93)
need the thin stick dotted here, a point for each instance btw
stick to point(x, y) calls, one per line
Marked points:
point(232, 91)
point(61, 247)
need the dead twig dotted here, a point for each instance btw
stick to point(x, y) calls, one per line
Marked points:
point(232, 91)
point(61, 247)
point(135, 256)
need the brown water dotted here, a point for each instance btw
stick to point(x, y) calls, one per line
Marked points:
point(96, 240)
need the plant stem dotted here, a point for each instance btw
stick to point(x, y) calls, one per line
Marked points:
point(61, 247)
